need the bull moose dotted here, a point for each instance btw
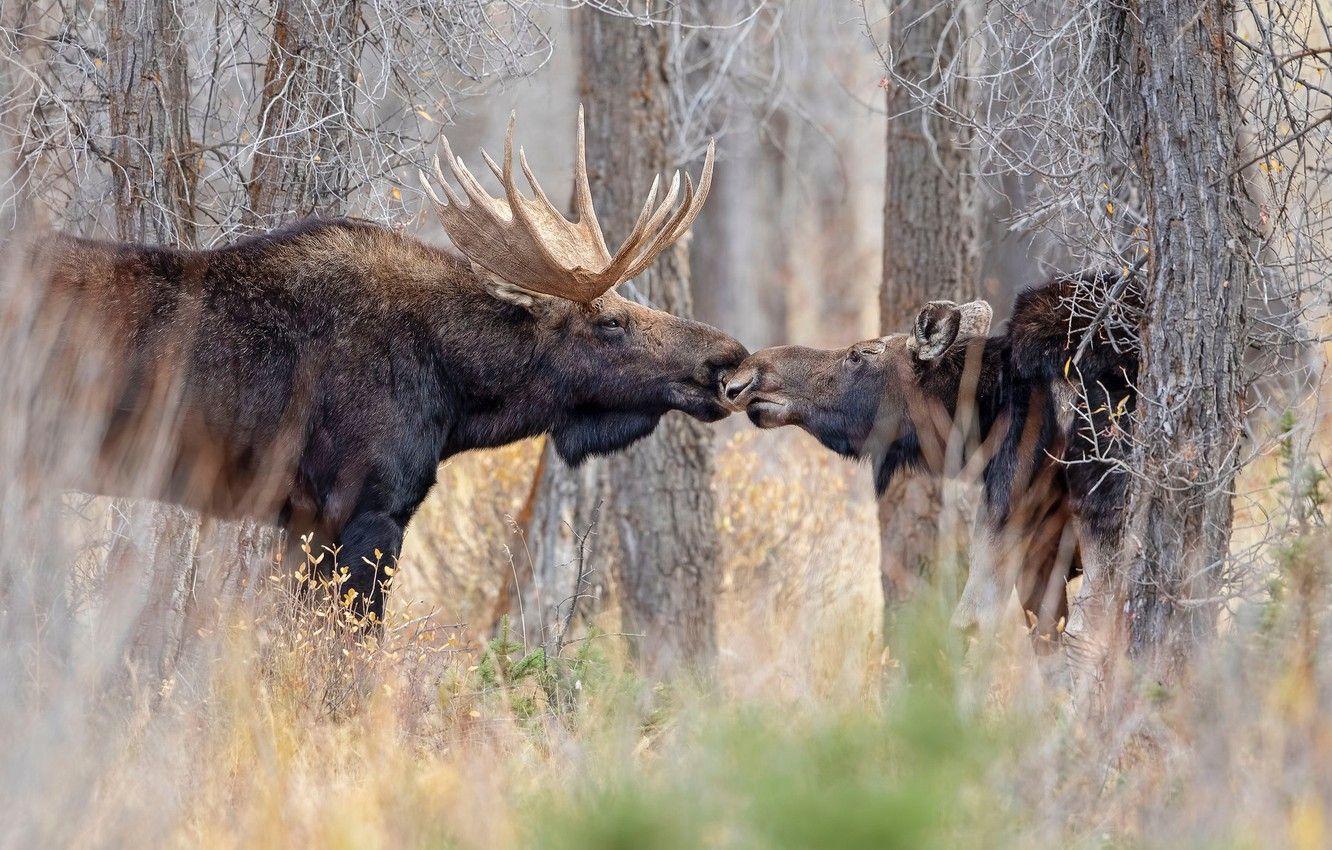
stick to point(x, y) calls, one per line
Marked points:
point(1049, 431)
point(316, 376)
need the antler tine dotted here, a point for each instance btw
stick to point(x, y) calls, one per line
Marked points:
point(694, 200)
point(498, 171)
point(491, 164)
point(473, 215)
point(480, 198)
point(582, 192)
point(649, 205)
point(453, 199)
point(681, 221)
point(704, 181)
point(517, 202)
point(624, 258)
point(663, 210)
point(646, 231)
point(537, 191)
point(439, 175)
point(663, 238)
point(429, 190)
point(583, 211)
point(528, 242)
point(684, 218)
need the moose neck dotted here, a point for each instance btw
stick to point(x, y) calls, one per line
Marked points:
point(971, 381)
point(490, 359)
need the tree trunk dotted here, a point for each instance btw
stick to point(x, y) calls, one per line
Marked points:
point(929, 252)
point(153, 545)
point(662, 510)
point(1176, 100)
point(302, 165)
point(148, 81)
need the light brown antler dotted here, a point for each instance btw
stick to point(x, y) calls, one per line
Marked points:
point(529, 243)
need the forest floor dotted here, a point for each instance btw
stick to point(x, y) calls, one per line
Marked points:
point(820, 729)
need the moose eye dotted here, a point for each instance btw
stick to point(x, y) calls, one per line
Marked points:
point(854, 356)
point(609, 323)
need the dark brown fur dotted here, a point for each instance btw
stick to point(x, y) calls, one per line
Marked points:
point(317, 376)
point(878, 400)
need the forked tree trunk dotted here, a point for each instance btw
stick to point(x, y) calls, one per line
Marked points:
point(1176, 99)
point(304, 127)
point(661, 506)
point(929, 253)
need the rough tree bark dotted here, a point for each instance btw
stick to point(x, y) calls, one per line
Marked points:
point(662, 506)
point(1176, 99)
point(929, 252)
point(302, 164)
point(154, 177)
point(153, 152)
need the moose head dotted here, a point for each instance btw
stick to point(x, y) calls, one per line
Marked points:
point(612, 365)
point(874, 399)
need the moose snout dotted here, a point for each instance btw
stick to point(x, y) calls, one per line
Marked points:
point(741, 382)
point(721, 366)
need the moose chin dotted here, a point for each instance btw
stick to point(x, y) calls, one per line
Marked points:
point(1049, 435)
point(316, 376)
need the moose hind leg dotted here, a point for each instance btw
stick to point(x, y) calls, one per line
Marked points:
point(1043, 583)
point(1090, 638)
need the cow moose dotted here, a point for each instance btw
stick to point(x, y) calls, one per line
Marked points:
point(1045, 432)
point(316, 376)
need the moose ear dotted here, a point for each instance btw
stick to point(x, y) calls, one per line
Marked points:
point(940, 323)
point(976, 318)
point(509, 293)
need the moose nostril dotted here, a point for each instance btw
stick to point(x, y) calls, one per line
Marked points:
point(737, 386)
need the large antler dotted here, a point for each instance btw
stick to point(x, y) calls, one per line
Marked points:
point(529, 243)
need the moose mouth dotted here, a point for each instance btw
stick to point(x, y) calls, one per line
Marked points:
point(767, 412)
point(698, 401)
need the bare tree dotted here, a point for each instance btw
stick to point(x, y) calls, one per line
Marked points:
point(152, 150)
point(1177, 100)
point(1131, 146)
point(306, 111)
point(929, 237)
point(295, 106)
point(663, 513)
point(709, 60)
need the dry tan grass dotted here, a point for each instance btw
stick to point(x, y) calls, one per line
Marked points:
point(280, 740)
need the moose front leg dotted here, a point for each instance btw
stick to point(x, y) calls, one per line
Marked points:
point(368, 549)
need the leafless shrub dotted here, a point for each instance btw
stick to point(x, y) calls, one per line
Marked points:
point(293, 106)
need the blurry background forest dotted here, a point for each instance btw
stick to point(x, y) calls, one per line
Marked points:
point(871, 156)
